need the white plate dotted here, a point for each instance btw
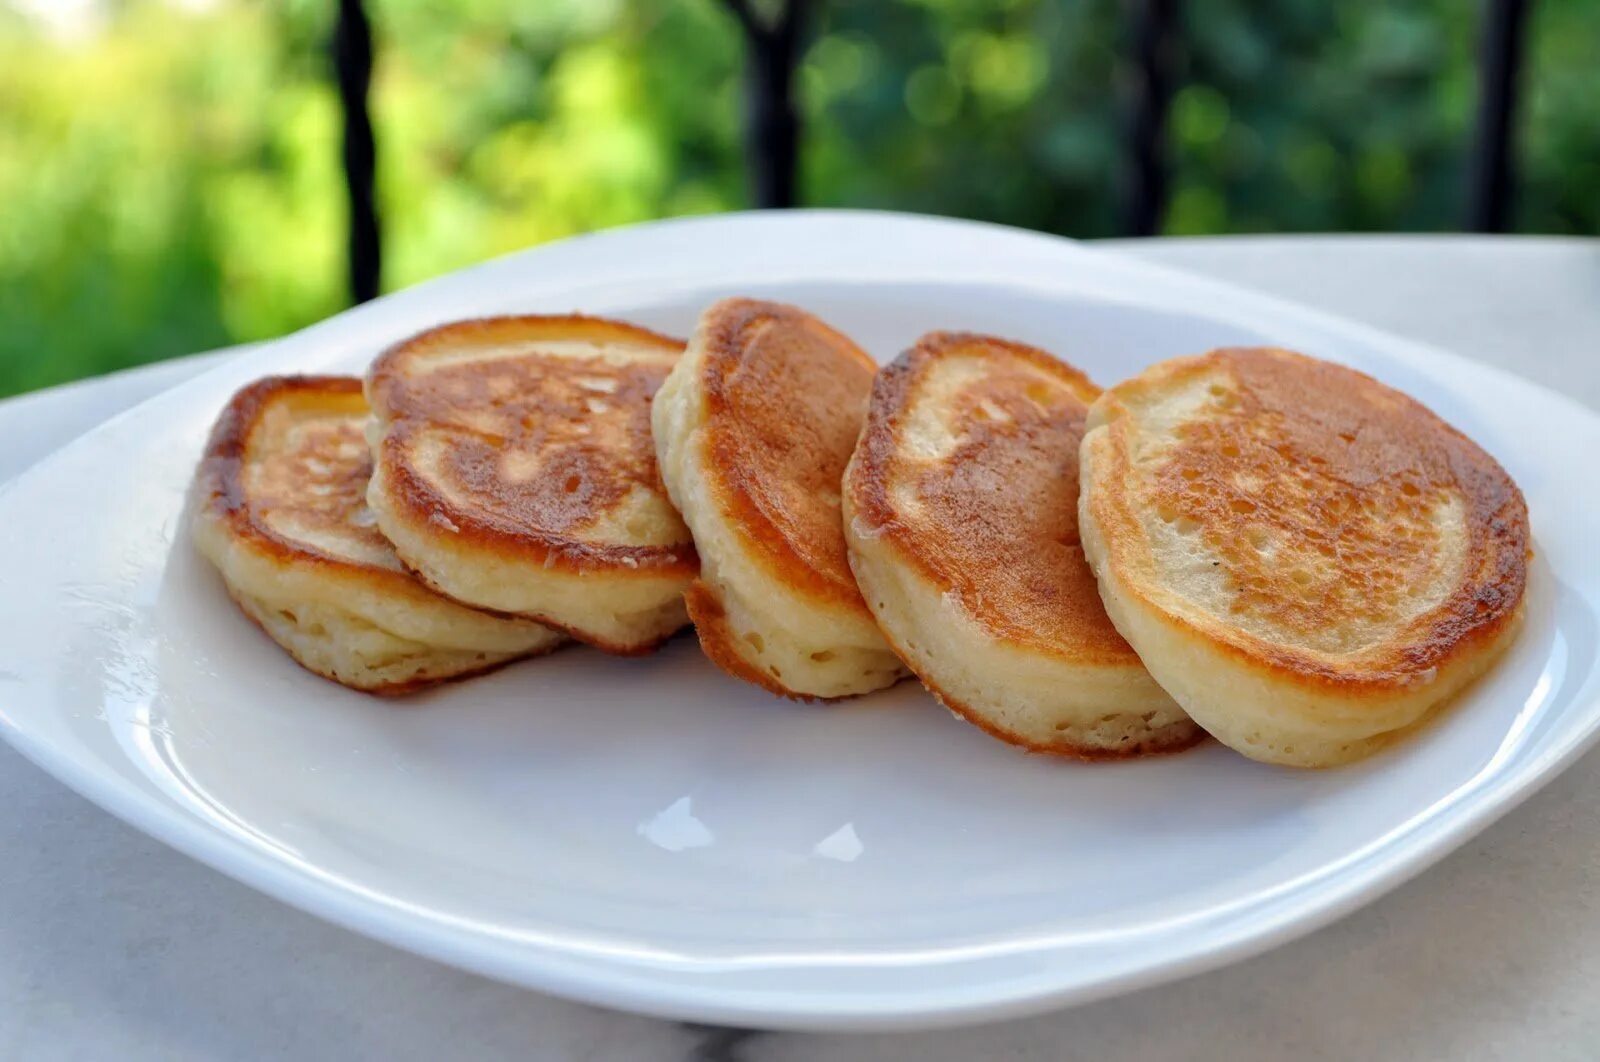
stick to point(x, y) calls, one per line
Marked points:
point(652, 835)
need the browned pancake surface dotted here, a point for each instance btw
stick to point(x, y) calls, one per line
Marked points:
point(786, 395)
point(1319, 491)
point(994, 517)
point(287, 466)
point(528, 433)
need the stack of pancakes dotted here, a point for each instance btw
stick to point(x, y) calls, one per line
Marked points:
point(1274, 550)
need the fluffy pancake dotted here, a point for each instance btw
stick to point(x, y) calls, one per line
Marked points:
point(281, 511)
point(753, 430)
point(1307, 560)
point(514, 471)
point(961, 513)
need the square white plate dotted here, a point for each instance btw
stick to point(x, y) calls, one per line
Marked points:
point(650, 834)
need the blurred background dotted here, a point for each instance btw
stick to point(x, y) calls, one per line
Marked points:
point(178, 175)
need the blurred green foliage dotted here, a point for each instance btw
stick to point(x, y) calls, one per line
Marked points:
point(170, 181)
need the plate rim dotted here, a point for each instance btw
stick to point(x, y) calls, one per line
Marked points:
point(575, 977)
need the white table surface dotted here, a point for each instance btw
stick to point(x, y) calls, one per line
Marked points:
point(114, 947)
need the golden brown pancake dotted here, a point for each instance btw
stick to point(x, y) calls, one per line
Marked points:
point(753, 430)
point(961, 511)
point(515, 471)
point(1307, 560)
point(281, 511)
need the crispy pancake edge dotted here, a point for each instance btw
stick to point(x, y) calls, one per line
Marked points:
point(1086, 753)
point(387, 690)
point(1061, 748)
point(1448, 637)
point(415, 500)
point(717, 641)
point(721, 352)
point(588, 638)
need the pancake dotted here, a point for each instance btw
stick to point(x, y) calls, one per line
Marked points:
point(514, 471)
point(1308, 561)
point(961, 513)
point(280, 510)
point(753, 429)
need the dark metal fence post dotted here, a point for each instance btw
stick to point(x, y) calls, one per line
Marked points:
point(352, 60)
point(772, 122)
point(1493, 172)
point(1153, 74)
